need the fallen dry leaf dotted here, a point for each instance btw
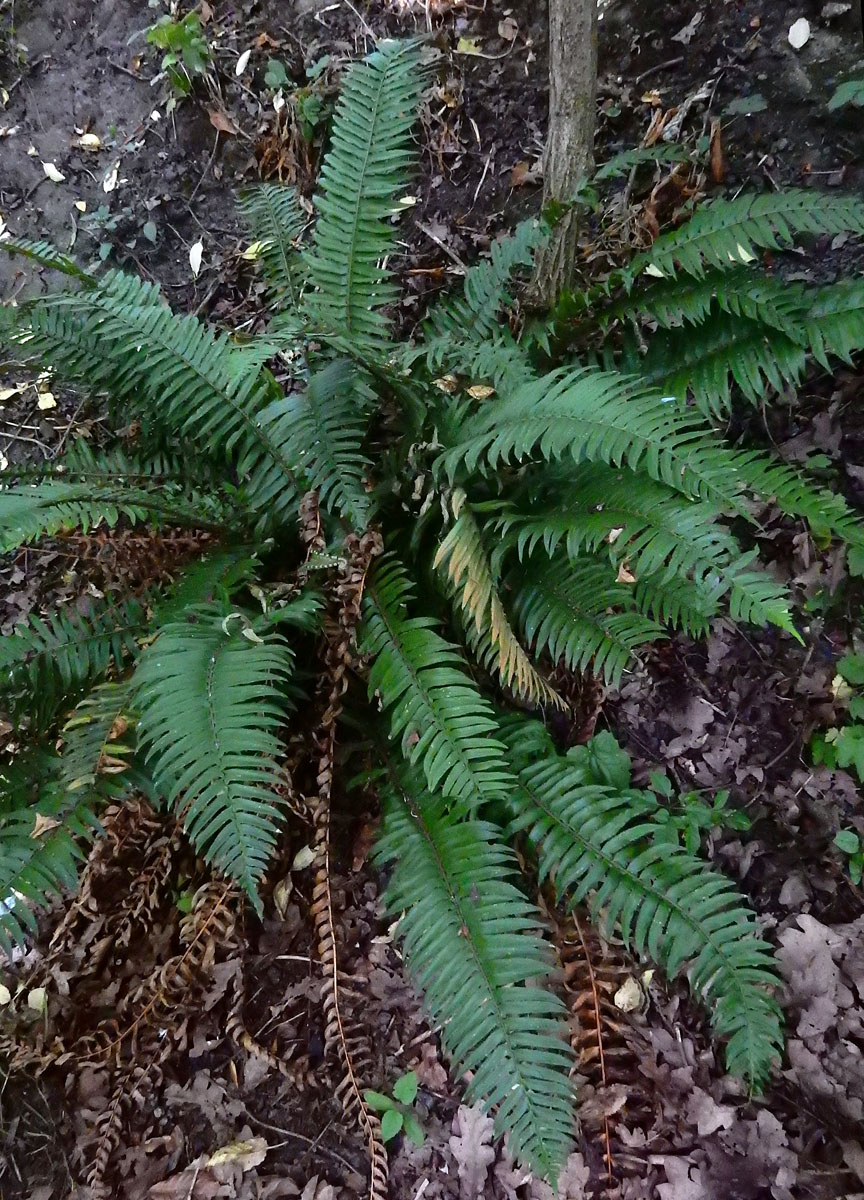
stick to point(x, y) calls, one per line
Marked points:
point(717, 157)
point(43, 825)
point(472, 1148)
point(53, 174)
point(799, 33)
point(221, 121)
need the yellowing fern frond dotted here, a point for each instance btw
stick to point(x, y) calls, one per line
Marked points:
point(464, 557)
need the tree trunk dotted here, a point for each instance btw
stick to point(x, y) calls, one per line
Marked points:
point(570, 140)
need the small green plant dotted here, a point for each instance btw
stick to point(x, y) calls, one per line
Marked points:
point(843, 746)
point(852, 845)
point(691, 818)
point(397, 1111)
point(472, 510)
point(309, 104)
point(850, 92)
point(187, 56)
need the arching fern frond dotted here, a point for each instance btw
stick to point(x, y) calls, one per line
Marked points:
point(364, 170)
point(598, 844)
point(40, 510)
point(472, 942)
point(275, 219)
point(597, 416)
point(724, 233)
point(834, 321)
point(40, 851)
point(826, 512)
point(457, 327)
point(45, 255)
point(625, 515)
point(443, 724)
point(680, 602)
point(202, 386)
point(211, 702)
point(623, 163)
point(707, 358)
point(464, 557)
point(743, 292)
point(575, 612)
point(95, 745)
point(44, 662)
point(321, 431)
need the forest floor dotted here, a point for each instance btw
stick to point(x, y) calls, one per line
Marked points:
point(147, 187)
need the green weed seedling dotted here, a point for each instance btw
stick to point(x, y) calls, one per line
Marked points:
point(843, 746)
point(187, 54)
point(397, 1112)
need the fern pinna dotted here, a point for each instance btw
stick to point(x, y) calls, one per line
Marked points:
point(533, 513)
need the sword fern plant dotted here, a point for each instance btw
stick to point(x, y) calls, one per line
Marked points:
point(561, 497)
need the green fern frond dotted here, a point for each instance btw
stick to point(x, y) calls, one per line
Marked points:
point(576, 613)
point(45, 255)
point(826, 512)
point(724, 233)
point(834, 321)
point(41, 510)
point(459, 326)
point(599, 844)
point(211, 703)
point(202, 386)
point(706, 359)
point(33, 869)
point(681, 603)
point(472, 943)
point(597, 416)
point(276, 220)
point(212, 580)
point(442, 722)
point(365, 169)
point(622, 164)
point(45, 662)
point(629, 516)
point(742, 292)
point(41, 834)
point(503, 361)
point(321, 430)
point(477, 592)
point(93, 735)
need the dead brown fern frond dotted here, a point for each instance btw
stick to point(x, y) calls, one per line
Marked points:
point(352, 1046)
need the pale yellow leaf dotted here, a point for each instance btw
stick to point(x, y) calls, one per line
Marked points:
point(37, 999)
point(244, 1155)
point(195, 256)
point(53, 174)
point(629, 996)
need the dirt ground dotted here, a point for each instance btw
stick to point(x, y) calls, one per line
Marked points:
point(736, 713)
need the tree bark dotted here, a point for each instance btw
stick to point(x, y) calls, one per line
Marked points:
point(569, 152)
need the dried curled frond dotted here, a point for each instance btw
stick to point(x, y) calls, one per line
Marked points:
point(352, 1045)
